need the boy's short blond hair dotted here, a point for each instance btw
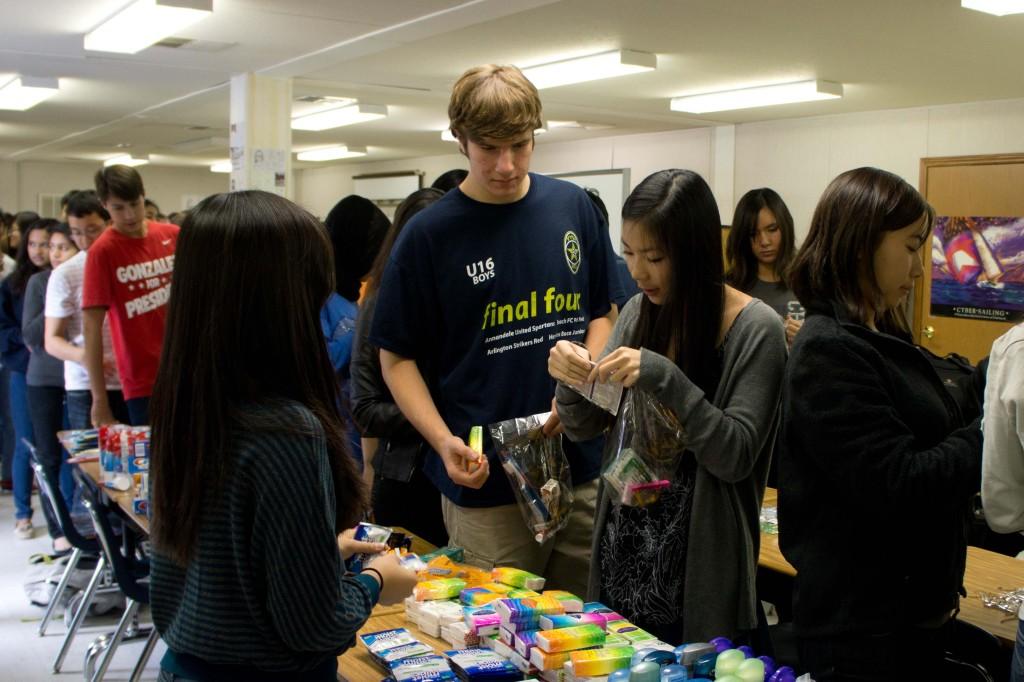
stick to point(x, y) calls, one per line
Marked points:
point(493, 101)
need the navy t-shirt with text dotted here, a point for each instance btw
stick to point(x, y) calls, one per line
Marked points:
point(478, 294)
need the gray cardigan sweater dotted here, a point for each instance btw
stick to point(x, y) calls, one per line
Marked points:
point(731, 436)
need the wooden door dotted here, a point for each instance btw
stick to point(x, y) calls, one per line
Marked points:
point(965, 186)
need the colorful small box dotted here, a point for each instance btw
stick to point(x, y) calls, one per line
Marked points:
point(631, 632)
point(598, 607)
point(525, 641)
point(542, 660)
point(594, 662)
point(478, 596)
point(570, 601)
point(517, 577)
point(568, 639)
point(443, 588)
point(524, 614)
point(483, 620)
point(568, 620)
point(456, 554)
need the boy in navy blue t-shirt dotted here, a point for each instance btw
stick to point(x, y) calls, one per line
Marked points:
point(479, 287)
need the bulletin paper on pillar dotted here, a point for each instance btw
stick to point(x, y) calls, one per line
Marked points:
point(978, 268)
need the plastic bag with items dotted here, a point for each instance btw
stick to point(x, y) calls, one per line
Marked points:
point(538, 472)
point(643, 450)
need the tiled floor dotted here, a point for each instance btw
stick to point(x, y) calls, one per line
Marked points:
point(26, 657)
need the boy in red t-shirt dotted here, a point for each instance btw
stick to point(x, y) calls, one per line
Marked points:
point(128, 274)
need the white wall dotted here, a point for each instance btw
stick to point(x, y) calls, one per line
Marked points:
point(799, 157)
point(796, 157)
point(168, 186)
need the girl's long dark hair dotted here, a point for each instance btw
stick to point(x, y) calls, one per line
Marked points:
point(739, 250)
point(410, 206)
point(25, 268)
point(836, 264)
point(356, 228)
point(679, 212)
point(252, 271)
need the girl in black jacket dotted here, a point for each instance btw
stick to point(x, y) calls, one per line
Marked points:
point(877, 463)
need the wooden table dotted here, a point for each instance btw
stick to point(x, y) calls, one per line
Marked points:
point(122, 499)
point(986, 572)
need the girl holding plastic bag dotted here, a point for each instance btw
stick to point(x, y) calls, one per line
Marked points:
point(683, 566)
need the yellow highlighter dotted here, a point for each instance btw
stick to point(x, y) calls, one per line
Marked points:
point(476, 444)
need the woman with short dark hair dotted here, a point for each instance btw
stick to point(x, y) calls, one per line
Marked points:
point(878, 464)
point(251, 477)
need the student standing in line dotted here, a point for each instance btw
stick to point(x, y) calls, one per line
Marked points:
point(251, 479)
point(63, 335)
point(128, 275)
point(401, 494)
point(683, 567)
point(356, 227)
point(1002, 464)
point(760, 247)
point(45, 378)
point(32, 257)
point(878, 465)
point(477, 287)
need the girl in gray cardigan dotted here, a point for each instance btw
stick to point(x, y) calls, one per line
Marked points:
point(683, 567)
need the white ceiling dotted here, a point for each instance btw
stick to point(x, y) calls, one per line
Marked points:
point(407, 53)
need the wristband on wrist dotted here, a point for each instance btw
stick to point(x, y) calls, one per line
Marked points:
point(380, 578)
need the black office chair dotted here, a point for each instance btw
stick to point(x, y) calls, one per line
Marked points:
point(130, 572)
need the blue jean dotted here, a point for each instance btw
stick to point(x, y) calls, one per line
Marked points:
point(80, 408)
point(138, 411)
point(22, 469)
point(1017, 667)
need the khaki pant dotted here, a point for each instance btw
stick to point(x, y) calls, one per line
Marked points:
point(498, 536)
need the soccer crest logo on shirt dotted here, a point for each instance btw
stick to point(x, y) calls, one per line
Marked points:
point(573, 252)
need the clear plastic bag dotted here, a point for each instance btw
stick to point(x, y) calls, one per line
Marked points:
point(643, 450)
point(538, 472)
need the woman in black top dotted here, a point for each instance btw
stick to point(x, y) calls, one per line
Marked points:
point(877, 463)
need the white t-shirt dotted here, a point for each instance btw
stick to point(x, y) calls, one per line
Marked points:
point(64, 300)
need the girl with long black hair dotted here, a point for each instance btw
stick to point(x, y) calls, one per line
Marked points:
point(251, 478)
point(683, 568)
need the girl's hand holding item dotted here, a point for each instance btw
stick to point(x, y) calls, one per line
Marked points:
point(349, 545)
point(622, 365)
point(569, 363)
point(396, 582)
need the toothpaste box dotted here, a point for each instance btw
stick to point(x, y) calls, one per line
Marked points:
point(431, 668)
point(482, 664)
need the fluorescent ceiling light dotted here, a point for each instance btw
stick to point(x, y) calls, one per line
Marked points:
point(126, 160)
point(331, 153)
point(340, 116)
point(765, 96)
point(221, 167)
point(590, 68)
point(1000, 8)
point(24, 92)
point(447, 135)
point(144, 22)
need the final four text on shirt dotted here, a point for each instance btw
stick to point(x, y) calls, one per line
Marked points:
point(153, 275)
point(554, 302)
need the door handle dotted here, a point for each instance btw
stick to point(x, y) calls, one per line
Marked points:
point(928, 332)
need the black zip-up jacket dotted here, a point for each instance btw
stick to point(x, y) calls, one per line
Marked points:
point(876, 471)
